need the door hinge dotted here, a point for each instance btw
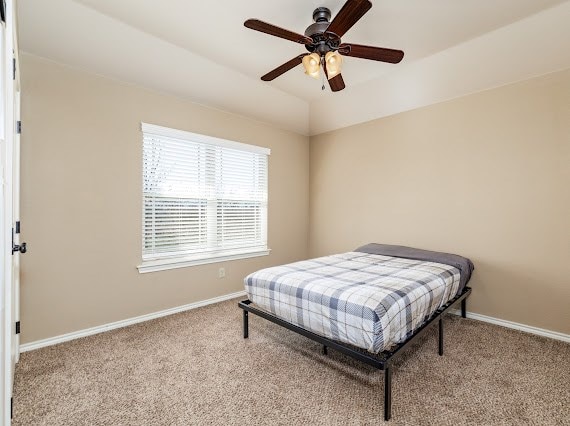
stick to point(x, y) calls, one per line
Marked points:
point(11, 408)
point(18, 127)
point(13, 68)
point(17, 327)
point(17, 227)
point(3, 11)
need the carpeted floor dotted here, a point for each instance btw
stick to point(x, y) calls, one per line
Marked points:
point(195, 368)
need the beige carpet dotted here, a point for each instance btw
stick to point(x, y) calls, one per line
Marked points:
point(195, 368)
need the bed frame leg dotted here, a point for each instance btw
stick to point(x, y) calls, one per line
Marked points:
point(325, 350)
point(464, 308)
point(440, 336)
point(245, 325)
point(387, 393)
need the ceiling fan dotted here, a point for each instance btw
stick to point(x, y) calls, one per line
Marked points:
point(323, 41)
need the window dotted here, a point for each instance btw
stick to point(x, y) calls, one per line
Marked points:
point(204, 199)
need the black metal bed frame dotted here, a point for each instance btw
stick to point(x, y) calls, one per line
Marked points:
point(383, 360)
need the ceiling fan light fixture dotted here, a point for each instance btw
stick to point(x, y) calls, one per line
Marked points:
point(312, 64)
point(333, 61)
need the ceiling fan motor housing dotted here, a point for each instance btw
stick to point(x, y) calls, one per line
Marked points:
point(322, 42)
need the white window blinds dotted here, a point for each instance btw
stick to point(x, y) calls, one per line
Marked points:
point(203, 197)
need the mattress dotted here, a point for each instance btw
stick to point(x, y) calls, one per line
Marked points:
point(371, 301)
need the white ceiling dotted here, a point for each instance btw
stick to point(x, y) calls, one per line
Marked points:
point(419, 27)
point(202, 51)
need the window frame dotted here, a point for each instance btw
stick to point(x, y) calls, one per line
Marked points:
point(173, 261)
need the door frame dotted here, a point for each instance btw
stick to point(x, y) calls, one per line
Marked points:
point(16, 217)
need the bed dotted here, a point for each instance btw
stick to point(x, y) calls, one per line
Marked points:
point(369, 303)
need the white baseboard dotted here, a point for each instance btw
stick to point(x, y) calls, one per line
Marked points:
point(516, 326)
point(124, 323)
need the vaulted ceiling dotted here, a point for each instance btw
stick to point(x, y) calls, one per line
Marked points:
point(201, 51)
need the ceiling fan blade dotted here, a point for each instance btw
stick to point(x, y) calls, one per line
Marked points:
point(370, 52)
point(350, 13)
point(337, 83)
point(281, 69)
point(264, 27)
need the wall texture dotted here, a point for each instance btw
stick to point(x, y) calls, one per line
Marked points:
point(82, 197)
point(486, 176)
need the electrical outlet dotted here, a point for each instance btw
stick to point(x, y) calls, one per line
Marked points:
point(222, 273)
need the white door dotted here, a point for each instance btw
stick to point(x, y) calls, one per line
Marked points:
point(9, 164)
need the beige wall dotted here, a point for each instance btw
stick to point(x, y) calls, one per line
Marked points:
point(81, 200)
point(486, 176)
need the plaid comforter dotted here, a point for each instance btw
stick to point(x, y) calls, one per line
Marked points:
point(370, 301)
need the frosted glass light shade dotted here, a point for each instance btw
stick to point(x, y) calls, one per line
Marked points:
point(333, 63)
point(312, 64)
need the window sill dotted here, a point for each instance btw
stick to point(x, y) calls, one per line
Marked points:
point(183, 262)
